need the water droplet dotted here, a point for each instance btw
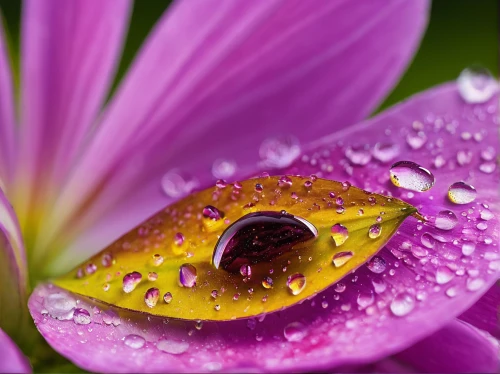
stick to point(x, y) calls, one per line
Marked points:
point(468, 248)
point(487, 215)
point(107, 260)
point(179, 239)
point(246, 270)
point(131, 280)
point(212, 212)
point(278, 153)
point(295, 332)
point(175, 347)
point(267, 282)
point(377, 265)
point(217, 307)
point(402, 304)
point(379, 286)
point(167, 297)
point(482, 226)
point(223, 169)
point(221, 183)
point(488, 154)
point(341, 258)
point(81, 316)
point(340, 287)
point(152, 276)
point(416, 140)
point(157, 259)
point(364, 300)
point(151, 297)
point(276, 233)
point(446, 220)
point(285, 182)
point(385, 152)
point(60, 306)
point(358, 155)
point(374, 231)
point(339, 234)
point(439, 161)
point(462, 193)
point(90, 269)
point(488, 167)
point(187, 276)
point(409, 175)
point(296, 283)
point(476, 85)
point(176, 184)
point(444, 275)
point(134, 341)
point(464, 157)
point(474, 284)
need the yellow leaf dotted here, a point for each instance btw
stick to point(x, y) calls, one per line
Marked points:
point(143, 270)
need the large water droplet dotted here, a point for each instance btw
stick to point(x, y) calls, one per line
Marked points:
point(278, 153)
point(444, 275)
point(81, 316)
point(462, 193)
point(187, 275)
point(134, 341)
point(212, 212)
point(296, 283)
point(474, 284)
point(131, 280)
point(468, 248)
point(476, 85)
point(60, 306)
point(341, 258)
point(446, 220)
point(339, 234)
point(385, 152)
point(402, 304)
point(176, 184)
point(377, 265)
point(409, 175)
point(151, 297)
point(295, 332)
point(488, 167)
point(258, 237)
point(167, 297)
point(374, 231)
point(364, 300)
point(174, 347)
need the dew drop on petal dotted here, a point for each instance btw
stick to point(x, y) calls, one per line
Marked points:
point(167, 298)
point(487, 215)
point(488, 167)
point(339, 234)
point(295, 332)
point(130, 281)
point(476, 85)
point(468, 248)
point(488, 154)
point(60, 306)
point(134, 341)
point(278, 153)
point(81, 316)
point(377, 265)
point(364, 300)
point(474, 284)
point(176, 184)
point(462, 193)
point(416, 140)
point(174, 347)
point(267, 282)
point(246, 270)
point(446, 220)
point(402, 304)
point(157, 259)
point(212, 212)
point(151, 297)
point(358, 155)
point(296, 283)
point(179, 239)
point(444, 275)
point(411, 176)
point(341, 258)
point(187, 275)
point(385, 152)
point(374, 231)
point(285, 182)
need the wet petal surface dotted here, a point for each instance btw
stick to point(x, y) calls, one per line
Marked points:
point(243, 249)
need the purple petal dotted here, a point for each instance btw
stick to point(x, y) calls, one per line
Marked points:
point(13, 272)
point(485, 314)
point(70, 50)
point(210, 91)
point(7, 122)
point(426, 281)
point(11, 358)
point(456, 348)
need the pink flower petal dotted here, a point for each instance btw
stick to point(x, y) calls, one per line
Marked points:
point(7, 122)
point(456, 348)
point(485, 314)
point(70, 50)
point(13, 272)
point(424, 278)
point(215, 80)
point(11, 358)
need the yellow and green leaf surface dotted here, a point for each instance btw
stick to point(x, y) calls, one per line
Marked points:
point(181, 234)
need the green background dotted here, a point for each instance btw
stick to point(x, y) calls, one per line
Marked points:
point(460, 33)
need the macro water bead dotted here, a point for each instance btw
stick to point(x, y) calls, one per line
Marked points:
point(411, 176)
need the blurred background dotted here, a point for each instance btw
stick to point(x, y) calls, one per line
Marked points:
point(461, 33)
